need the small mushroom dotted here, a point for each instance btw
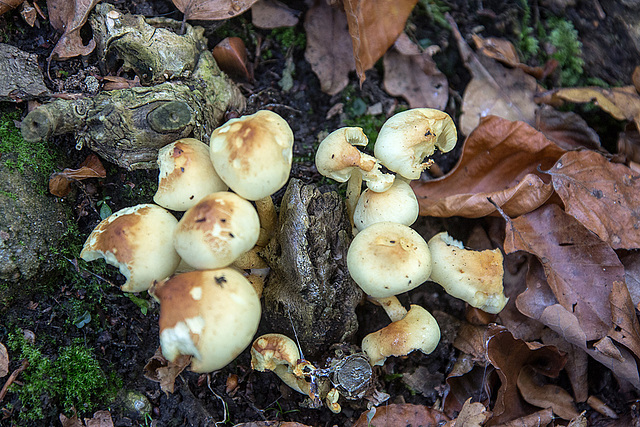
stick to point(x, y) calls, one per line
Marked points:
point(186, 175)
point(397, 204)
point(211, 315)
point(139, 241)
point(410, 136)
point(388, 258)
point(418, 330)
point(473, 276)
point(217, 230)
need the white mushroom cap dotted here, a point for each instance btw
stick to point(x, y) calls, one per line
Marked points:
point(418, 330)
point(186, 174)
point(338, 158)
point(410, 136)
point(253, 154)
point(211, 315)
point(388, 258)
point(217, 230)
point(473, 276)
point(139, 241)
point(398, 204)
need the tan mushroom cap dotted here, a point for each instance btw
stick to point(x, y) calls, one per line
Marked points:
point(253, 154)
point(139, 241)
point(397, 204)
point(473, 276)
point(186, 174)
point(388, 258)
point(210, 314)
point(216, 231)
point(338, 158)
point(410, 136)
point(418, 330)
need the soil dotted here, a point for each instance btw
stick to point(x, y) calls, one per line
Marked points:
point(124, 339)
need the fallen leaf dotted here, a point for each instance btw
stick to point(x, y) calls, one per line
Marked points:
point(471, 415)
point(100, 419)
point(537, 419)
point(70, 17)
point(622, 103)
point(117, 82)
point(601, 407)
point(493, 89)
point(212, 9)
point(328, 48)
point(602, 195)
point(414, 75)
point(468, 379)
point(576, 366)
point(374, 25)
point(268, 14)
point(629, 143)
point(162, 371)
point(545, 395)
point(60, 182)
point(567, 129)
point(402, 415)
point(271, 424)
point(74, 421)
point(28, 13)
point(231, 56)
point(7, 5)
point(631, 262)
point(500, 160)
point(4, 361)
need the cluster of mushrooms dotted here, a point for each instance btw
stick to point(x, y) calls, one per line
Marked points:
point(204, 269)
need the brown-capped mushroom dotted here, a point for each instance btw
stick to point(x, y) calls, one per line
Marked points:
point(139, 241)
point(473, 276)
point(210, 314)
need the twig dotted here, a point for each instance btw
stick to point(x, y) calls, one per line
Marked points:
point(12, 378)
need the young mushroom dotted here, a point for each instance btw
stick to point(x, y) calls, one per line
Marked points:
point(216, 231)
point(139, 241)
point(397, 204)
point(473, 276)
point(410, 136)
point(210, 314)
point(186, 175)
point(418, 330)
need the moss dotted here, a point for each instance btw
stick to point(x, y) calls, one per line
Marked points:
point(288, 37)
point(568, 50)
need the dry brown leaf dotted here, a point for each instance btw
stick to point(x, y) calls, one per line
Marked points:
point(537, 419)
point(60, 182)
point(28, 13)
point(545, 395)
point(468, 379)
point(74, 421)
point(70, 16)
point(631, 262)
point(117, 82)
point(374, 25)
point(4, 361)
point(231, 56)
point(629, 143)
point(471, 415)
point(567, 129)
point(402, 415)
point(493, 89)
point(212, 9)
point(268, 14)
point(328, 48)
point(602, 195)
point(414, 75)
point(7, 5)
point(162, 371)
point(271, 424)
point(500, 159)
point(576, 365)
point(623, 103)
point(100, 419)
point(601, 407)
point(635, 78)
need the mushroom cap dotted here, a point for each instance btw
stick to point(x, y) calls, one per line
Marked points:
point(139, 241)
point(410, 136)
point(209, 314)
point(398, 204)
point(186, 174)
point(473, 276)
point(388, 258)
point(253, 154)
point(338, 158)
point(216, 231)
point(278, 353)
point(418, 330)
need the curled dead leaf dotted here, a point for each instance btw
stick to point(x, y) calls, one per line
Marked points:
point(70, 17)
point(7, 5)
point(268, 14)
point(231, 56)
point(567, 129)
point(60, 182)
point(162, 371)
point(402, 415)
point(212, 9)
point(545, 395)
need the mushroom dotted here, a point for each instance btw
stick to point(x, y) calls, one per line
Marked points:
point(137, 240)
point(210, 314)
point(216, 231)
point(408, 137)
point(338, 158)
point(387, 258)
point(397, 204)
point(473, 276)
point(418, 330)
point(186, 175)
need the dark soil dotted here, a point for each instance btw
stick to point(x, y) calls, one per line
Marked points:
point(124, 339)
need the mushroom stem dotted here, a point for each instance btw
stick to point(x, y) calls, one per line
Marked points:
point(268, 220)
point(354, 188)
point(392, 306)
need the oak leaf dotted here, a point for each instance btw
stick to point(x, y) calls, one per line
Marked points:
point(212, 9)
point(500, 160)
